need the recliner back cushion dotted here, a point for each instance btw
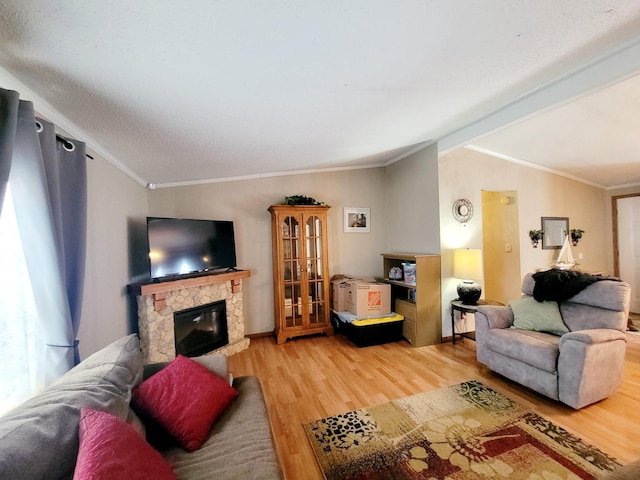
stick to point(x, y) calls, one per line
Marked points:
point(39, 439)
point(603, 304)
point(527, 284)
point(607, 294)
point(578, 316)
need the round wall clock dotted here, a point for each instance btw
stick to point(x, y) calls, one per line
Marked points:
point(462, 210)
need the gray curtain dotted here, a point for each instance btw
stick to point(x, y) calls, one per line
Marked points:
point(8, 122)
point(48, 179)
point(65, 167)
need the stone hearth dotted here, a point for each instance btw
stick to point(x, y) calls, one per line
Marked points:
point(157, 303)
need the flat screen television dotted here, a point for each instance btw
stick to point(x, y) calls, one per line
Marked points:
point(179, 246)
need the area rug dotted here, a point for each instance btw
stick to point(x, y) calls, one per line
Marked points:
point(466, 431)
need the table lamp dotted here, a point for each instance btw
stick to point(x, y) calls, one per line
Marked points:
point(467, 266)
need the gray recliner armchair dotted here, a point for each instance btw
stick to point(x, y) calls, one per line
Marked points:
point(577, 368)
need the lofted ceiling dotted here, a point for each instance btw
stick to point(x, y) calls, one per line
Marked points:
point(200, 90)
point(595, 139)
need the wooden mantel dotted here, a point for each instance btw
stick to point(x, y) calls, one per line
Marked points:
point(159, 290)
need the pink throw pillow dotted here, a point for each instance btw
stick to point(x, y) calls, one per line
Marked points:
point(185, 399)
point(109, 448)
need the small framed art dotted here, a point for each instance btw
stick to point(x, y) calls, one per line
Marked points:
point(357, 220)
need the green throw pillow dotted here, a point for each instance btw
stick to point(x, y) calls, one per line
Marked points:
point(529, 314)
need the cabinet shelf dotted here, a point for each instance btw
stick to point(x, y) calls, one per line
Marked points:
point(399, 283)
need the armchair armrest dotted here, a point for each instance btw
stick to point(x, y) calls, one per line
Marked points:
point(495, 316)
point(590, 365)
point(488, 318)
point(590, 337)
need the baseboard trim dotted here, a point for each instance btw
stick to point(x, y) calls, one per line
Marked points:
point(260, 335)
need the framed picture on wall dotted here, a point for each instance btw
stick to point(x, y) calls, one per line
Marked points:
point(357, 220)
point(555, 230)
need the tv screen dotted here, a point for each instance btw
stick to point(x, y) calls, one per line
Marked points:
point(179, 246)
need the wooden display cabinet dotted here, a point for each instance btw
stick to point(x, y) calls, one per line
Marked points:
point(420, 304)
point(300, 271)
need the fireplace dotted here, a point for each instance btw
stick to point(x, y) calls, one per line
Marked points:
point(200, 330)
point(158, 302)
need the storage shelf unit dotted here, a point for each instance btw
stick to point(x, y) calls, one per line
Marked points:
point(421, 304)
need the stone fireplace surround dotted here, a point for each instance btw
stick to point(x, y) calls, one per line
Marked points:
point(157, 302)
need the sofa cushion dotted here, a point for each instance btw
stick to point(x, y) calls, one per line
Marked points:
point(110, 449)
point(134, 422)
point(39, 438)
point(185, 399)
point(529, 314)
point(537, 349)
point(216, 363)
point(240, 445)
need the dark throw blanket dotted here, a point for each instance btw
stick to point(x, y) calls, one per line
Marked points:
point(560, 285)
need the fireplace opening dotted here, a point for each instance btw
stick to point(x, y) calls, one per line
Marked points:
point(202, 329)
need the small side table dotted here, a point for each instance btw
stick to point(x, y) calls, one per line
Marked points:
point(463, 308)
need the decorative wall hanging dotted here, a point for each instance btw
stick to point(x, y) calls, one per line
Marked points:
point(357, 219)
point(576, 235)
point(462, 210)
point(555, 229)
point(535, 236)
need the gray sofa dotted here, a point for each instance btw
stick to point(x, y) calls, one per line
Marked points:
point(630, 471)
point(580, 367)
point(39, 439)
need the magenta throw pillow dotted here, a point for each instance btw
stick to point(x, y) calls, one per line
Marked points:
point(109, 448)
point(185, 399)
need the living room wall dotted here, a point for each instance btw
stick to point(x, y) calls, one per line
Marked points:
point(405, 216)
point(114, 200)
point(118, 206)
point(413, 223)
point(246, 202)
point(466, 173)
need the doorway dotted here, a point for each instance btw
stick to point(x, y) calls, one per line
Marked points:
point(501, 245)
point(626, 243)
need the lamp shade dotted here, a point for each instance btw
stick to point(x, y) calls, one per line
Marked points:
point(467, 264)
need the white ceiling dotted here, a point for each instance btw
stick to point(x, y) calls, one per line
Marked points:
point(594, 139)
point(199, 90)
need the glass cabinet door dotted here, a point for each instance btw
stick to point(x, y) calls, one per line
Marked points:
point(302, 247)
point(314, 269)
point(292, 268)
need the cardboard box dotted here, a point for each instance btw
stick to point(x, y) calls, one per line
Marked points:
point(339, 292)
point(368, 299)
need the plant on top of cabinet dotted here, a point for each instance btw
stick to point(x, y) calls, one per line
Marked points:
point(301, 200)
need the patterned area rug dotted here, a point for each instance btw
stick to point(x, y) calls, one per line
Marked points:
point(466, 431)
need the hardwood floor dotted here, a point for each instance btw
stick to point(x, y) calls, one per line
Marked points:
point(313, 377)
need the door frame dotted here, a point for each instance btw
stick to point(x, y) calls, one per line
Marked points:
point(614, 221)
